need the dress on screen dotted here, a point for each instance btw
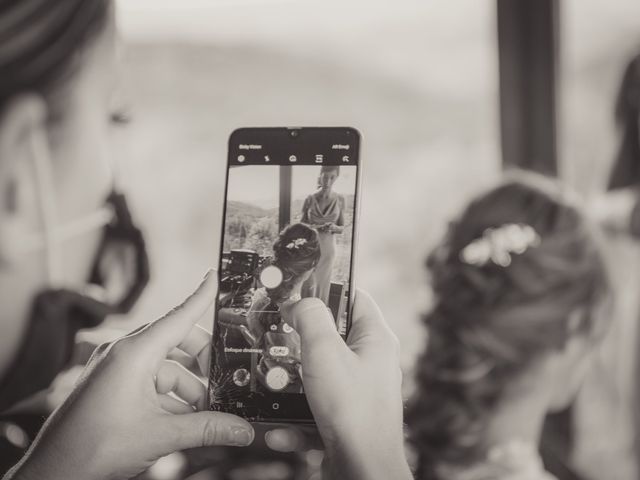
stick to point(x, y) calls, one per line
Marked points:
point(319, 283)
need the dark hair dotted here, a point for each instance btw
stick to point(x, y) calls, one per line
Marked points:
point(490, 321)
point(40, 39)
point(293, 259)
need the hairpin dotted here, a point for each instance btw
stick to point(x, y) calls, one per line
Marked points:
point(499, 244)
point(297, 243)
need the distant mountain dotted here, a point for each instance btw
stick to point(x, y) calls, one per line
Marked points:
point(247, 211)
point(241, 209)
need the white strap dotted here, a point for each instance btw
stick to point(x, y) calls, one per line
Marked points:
point(46, 198)
point(98, 219)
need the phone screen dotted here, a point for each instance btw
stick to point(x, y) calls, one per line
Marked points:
point(289, 230)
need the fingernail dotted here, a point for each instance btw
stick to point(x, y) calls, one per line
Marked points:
point(282, 440)
point(241, 436)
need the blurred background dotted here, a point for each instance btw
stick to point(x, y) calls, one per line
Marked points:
point(421, 81)
point(418, 80)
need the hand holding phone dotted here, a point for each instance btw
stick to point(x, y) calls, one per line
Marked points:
point(354, 390)
point(132, 406)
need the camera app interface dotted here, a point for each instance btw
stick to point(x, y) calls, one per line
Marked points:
point(287, 235)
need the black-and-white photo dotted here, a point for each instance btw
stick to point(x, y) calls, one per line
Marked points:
point(319, 239)
point(266, 268)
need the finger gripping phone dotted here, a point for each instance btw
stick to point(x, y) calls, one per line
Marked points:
point(289, 232)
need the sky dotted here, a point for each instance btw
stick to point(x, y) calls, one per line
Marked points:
point(337, 30)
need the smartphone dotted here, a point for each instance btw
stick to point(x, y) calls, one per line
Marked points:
point(289, 232)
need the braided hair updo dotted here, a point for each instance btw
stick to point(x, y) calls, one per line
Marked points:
point(295, 252)
point(491, 320)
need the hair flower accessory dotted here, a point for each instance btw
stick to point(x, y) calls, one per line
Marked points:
point(499, 244)
point(297, 243)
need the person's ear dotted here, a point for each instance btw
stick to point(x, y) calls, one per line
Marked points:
point(574, 332)
point(576, 321)
point(22, 125)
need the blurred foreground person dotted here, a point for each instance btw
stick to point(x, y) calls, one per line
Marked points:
point(67, 260)
point(614, 385)
point(522, 298)
point(619, 209)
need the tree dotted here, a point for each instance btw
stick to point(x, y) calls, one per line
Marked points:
point(262, 235)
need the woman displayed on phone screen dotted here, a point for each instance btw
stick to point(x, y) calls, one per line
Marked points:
point(324, 210)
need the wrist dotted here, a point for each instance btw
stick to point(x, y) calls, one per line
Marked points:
point(353, 456)
point(41, 463)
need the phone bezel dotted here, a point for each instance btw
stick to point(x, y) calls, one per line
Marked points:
point(277, 132)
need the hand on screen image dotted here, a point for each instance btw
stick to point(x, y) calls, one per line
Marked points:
point(335, 229)
point(331, 228)
point(325, 227)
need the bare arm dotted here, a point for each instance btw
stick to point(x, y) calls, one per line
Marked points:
point(305, 211)
point(340, 221)
point(614, 210)
point(338, 227)
point(254, 328)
